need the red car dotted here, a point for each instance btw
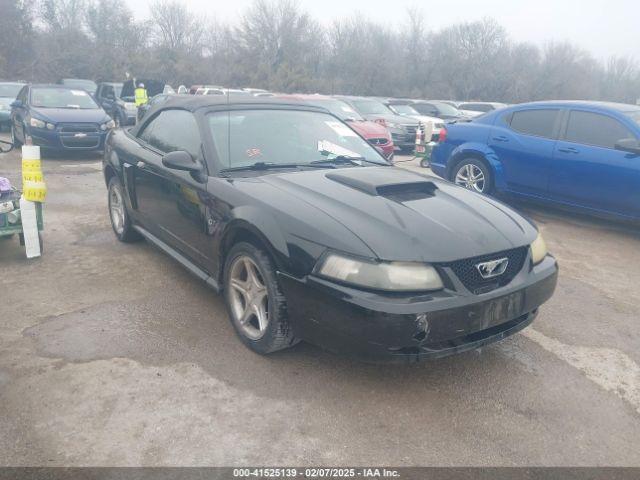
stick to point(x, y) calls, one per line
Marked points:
point(372, 132)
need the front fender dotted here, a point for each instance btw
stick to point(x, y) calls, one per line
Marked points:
point(483, 152)
point(260, 224)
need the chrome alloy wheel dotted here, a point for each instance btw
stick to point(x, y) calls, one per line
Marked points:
point(249, 298)
point(470, 176)
point(116, 208)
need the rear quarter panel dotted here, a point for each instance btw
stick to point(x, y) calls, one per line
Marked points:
point(469, 138)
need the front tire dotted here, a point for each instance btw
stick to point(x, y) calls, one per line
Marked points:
point(255, 302)
point(120, 220)
point(473, 174)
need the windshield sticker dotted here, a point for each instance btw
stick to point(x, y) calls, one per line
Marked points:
point(326, 148)
point(341, 129)
point(79, 93)
point(253, 152)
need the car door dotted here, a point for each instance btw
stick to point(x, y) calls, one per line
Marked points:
point(588, 170)
point(106, 98)
point(19, 114)
point(170, 201)
point(523, 142)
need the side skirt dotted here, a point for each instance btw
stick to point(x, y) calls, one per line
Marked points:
point(181, 259)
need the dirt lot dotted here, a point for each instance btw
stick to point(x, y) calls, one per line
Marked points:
point(112, 354)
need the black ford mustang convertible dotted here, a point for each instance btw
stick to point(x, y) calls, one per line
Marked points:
point(311, 235)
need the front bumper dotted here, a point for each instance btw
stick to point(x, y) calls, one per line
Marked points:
point(403, 141)
point(403, 329)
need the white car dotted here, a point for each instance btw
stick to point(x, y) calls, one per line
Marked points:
point(431, 123)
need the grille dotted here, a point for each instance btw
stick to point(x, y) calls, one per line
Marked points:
point(378, 141)
point(468, 274)
point(86, 142)
point(410, 129)
point(79, 128)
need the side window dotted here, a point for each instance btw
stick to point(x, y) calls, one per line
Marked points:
point(145, 135)
point(539, 123)
point(595, 129)
point(173, 130)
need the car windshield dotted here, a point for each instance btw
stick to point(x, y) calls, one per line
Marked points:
point(61, 98)
point(404, 109)
point(340, 109)
point(87, 85)
point(634, 115)
point(370, 107)
point(447, 109)
point(285, 137)
point(10, 90)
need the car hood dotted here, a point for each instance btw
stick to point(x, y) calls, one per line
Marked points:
point(369, 129)
point(425, 119)
point(405, 216)
point(392, 118)
point(56, 115)
point(471, 113)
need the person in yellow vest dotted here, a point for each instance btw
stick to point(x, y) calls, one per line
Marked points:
point(141, 95)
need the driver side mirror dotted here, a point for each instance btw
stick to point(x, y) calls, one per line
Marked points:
point(181, 160)
point(630, 145)
point(16, 104)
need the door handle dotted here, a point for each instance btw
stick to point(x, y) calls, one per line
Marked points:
point(569, 150)
point(141, 165)
point(501, 138)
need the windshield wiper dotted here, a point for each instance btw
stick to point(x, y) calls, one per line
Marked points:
point(267, 166)
point(344, 160)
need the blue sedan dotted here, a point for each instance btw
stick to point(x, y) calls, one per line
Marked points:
point(585, 155)
point(59, 118)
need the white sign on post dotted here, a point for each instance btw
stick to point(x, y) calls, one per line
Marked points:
point(30, 227)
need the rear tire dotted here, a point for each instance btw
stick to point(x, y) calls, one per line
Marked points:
point(255, 302)
point(118, 214)
point(473, 174)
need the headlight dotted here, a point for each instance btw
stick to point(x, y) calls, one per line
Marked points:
point(392, 276)
point(107, 125)
point(35, 123)
point(393, 125)
point(51, 126)
point(538, 250)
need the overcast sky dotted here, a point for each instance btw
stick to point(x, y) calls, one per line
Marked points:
point(604, 27)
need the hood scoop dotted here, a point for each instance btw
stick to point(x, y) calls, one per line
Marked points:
point(395, 184)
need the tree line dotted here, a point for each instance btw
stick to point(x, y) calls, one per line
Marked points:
point(278, 46)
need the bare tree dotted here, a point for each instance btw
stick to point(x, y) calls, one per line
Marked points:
point(16, 38)
point(277, 45)
point(176, 28)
